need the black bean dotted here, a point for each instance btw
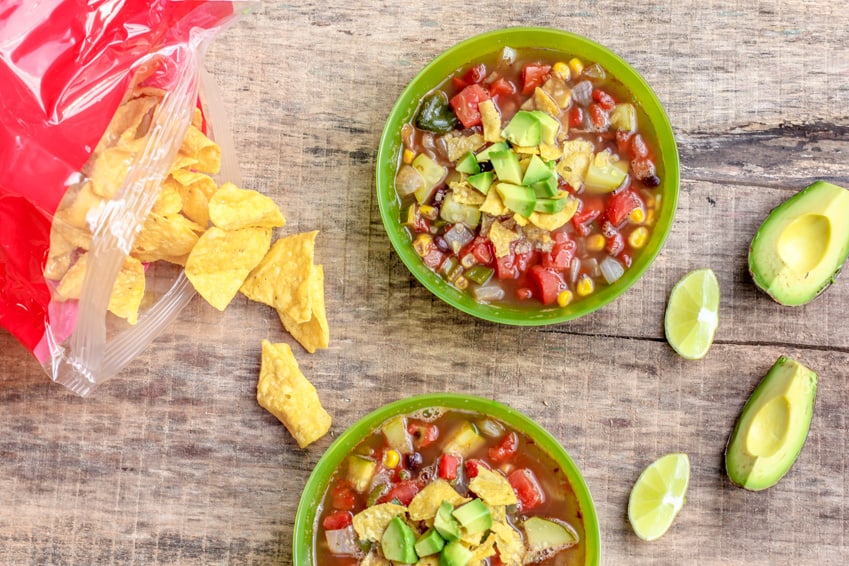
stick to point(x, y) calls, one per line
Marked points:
point(414, 461)
point(651, 181)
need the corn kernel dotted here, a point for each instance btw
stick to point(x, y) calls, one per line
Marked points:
point(562, 70)
point(649, 217)
point(422, 244)
point(564, 298)
point(461, 282)
point(428, 212)
point(576, 65)
point(391, 458)
point(585, 286)
point(408, 156)
point(468, 260)
point(638, 237)
point(596, 243)
point(637, 216)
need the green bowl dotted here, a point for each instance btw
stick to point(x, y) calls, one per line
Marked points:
point(472, 49)
point(305, 519)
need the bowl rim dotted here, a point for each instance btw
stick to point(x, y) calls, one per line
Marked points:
point(466, 51)
point(317, 483)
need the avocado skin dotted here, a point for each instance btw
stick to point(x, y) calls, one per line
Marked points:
point(739, 465)
point(761, 244)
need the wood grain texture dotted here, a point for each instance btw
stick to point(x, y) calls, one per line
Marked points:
point(173, 462)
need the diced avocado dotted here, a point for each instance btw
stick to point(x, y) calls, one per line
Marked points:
point(507, 167)
point(800, 248)
point(605, 175)
point(624, 117)
point(546, 538)
point(524, 129)
point(398, 542)
point(468, 164)
point(550, 205)
point(772, 426)
point(455, 554)
point(429, 543)
point(537, 170)
point(445, 523)
point(517, 198)
point(360, 471)
point(397, 437)
point(433, 174)
point(546, 188)
point(482, 181)
point(484, 154)
point(454, 212)
point(473, 516)
point(549, 126)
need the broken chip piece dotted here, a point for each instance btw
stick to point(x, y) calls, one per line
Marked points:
point(222, 259)
point(313, 334)
point(288, 395)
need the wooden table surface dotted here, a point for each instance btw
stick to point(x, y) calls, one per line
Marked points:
point(173, 462)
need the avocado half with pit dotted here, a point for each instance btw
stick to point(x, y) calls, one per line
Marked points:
point(772, 427)
point(800, 248)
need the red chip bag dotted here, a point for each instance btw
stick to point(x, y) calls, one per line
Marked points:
point(71, 73)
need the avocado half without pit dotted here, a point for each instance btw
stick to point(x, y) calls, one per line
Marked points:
point(800, 248)
point(772, 427)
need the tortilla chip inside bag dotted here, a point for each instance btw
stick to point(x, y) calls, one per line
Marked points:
point(288, 395)
point(282, 279)
point(222, 259)
point(232, 208)
point(127, 291)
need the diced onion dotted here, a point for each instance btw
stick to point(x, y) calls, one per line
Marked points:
point(582, 93)
point(488, 293)
point(458, 236)
point(611, 269)
point(342, 541)
point(408, 180)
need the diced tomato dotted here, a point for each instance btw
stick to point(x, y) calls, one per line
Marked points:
point(465, 104)
point(449, 467)
point(639, 147)
point(534, 75)
point(604, 100)
point(576, 117)
point(615, 242)
point(623, 142)
point(481, 248)
point(547, 283)
point(424, 434)
point(505, 449)
point(434, 258)
point(527, 488)
point(343, 497)
point(473, 465)
point(496, 560)
point(338, 520)
point(475, 74)
point(524, 293)
point(459, 83)
point(505, 267)
point(561, 236)
point(621, 205)
point(599, 117)
point(502, 87)
point(560, 256)
point(525, 260)
point(404, 491)
point(643, 168)
point(581, 220)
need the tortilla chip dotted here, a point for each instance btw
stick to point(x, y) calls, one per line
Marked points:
point(464, 193)
point(71, 285)
point(109, 170)
point(509, 543)
point(221, 260)
point(459, 144)
point(315, 333)
point(493, 205)
point(207, 153)
point(200, 181)
point(491, 119)
point(168, 201)
point(577, 156)
point(165, 235)
point(131, 120)
point(197, 118)
point(79, 237)
point(374, 559)
point(484, 551)
point(493, 488)
point(183, 162)
point(501, 238)
point(232, 208)
point(554, 221)
point(550, 152)
point(82, 210)
point(426, 503)
point(282, 279)
point(128, 291)
point(58, 256)
point(372, 521)
point(288, 395)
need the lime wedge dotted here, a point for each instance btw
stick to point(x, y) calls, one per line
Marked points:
point(658, 495)
point(692, 314)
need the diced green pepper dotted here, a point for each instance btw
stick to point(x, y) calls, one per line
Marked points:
point(479, 274)
point(435, 114)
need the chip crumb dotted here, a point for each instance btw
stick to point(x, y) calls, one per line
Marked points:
point(288, 395)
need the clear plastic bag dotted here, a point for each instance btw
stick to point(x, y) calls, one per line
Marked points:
point(67, 70)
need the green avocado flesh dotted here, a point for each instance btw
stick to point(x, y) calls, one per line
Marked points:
point(772, 427)
point(801, 246)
